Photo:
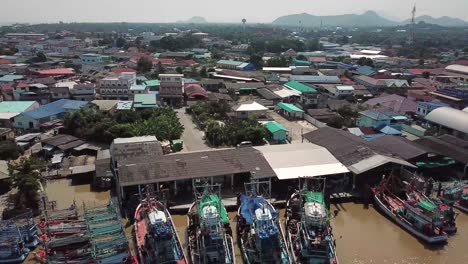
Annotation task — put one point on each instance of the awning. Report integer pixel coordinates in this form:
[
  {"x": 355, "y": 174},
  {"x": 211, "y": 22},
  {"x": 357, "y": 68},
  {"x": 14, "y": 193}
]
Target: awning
[
  {"x": 57, "y": 158},
  {"x": 376, "y": 161}
]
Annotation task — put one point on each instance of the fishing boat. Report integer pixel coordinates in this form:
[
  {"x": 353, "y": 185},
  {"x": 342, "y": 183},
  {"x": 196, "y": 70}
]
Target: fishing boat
[
  {"x": 409, "y": 214},
  {"x": 308, "y": 230},
  {"x": 12, "y": 245},
  {"x": 259, "y": 234},
  {"x": 428, "y": 206},
  {"x": 28, "y": 228},
  {"x": 456, "y": 195},
  {"x": 156, "y": 236},
  {"x": 209, "y": 235}
]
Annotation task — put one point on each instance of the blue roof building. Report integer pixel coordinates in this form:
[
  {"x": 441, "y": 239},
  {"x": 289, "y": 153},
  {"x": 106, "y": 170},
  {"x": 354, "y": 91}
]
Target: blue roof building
[
  {"x": 366, "y": 70},
  {"x": 55, "y": 110}
]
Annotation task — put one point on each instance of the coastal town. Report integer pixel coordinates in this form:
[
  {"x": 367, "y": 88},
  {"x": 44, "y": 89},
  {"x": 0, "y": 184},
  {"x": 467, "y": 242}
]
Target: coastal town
[{"x": 243, "y": 143}]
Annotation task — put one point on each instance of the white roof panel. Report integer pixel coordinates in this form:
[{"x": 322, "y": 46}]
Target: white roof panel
[
  {"x": 254, "y": 106},
  {"x": 449, "y": 117}
]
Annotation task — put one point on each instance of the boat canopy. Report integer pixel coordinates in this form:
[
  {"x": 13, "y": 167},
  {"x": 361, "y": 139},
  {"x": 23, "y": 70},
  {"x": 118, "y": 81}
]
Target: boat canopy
[
  {"x": 314, "y": 197},
  {"x": 427, "y": 205},
  {"x": 249, "y": 204},
  {"x": 213, "y": 200}
]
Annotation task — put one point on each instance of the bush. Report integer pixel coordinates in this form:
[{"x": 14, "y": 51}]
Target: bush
[{"x": 9, "y": 150}]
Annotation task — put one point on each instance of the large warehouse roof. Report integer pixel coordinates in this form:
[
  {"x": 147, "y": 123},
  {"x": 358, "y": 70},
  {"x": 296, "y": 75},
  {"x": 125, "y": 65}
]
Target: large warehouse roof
[
  {"x": 303, "y": 160},
  {"x": 449, "y": 117}
]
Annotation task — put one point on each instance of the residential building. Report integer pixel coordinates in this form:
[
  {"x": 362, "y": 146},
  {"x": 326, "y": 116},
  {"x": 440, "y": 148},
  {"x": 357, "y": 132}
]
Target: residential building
[
  {"x": 45, "y": 113},
  {"x": 235, "y": 65},
  {"x": 93, "y": 62},
  {"x": 312, "y": 79},
  {"x": 290, "y": 111},
  {"x": 171, "y": 89},
  {"x": 424, "y": 108},
  {"x": 9, "y": 110},
  {"x": 247, "y": 110},
  {"x": 379, "y": 119},
  {"x": 6, "y": 134},
  {"x": 55, "y": 72},
  {"x": 137, "y": 89},
  {"x": 117, "y": 87},
  {"x": 278, "y": 133},
  {"x": 59, "y": 92},
  {"x": 393, "y": 102},
  {"x": 144, "y": 101},
  {"x": 83, "y": 92}
]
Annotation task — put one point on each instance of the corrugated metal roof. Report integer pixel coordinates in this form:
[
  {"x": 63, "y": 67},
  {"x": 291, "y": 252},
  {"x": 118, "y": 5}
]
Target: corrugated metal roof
[
  {"x": 315, "y": 79},
  {"x": 230, "y": 62},
  {"x": 55, "y": 108},
  {"x": 274, "y": 127},
  {"x": 449, "y": 117},
  {"x": 300, "y": 87},
  {"x": 290, "y": 108}
]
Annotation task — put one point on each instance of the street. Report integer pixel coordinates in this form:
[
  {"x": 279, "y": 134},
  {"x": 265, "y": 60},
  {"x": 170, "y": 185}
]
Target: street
[{"x": 192, "y": 136}]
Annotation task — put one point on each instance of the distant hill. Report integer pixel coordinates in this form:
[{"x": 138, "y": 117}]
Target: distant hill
[
  {"x": 368, "y": 19},
  {"x": 195, "y": 20},
  {"x": 441, "y": 21}
]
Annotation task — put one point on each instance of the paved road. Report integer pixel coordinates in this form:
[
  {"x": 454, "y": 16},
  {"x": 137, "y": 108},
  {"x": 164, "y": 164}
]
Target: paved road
[
  {"x": 192, "y": 137},
  {"x": 296, "y": 128}
]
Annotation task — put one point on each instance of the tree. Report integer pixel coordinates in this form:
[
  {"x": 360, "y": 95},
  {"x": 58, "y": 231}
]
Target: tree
[
  {"x": 421, "y": 62},
  {"x": 25, "y": 176},
  {"x": 301, "y": 57},
  {"x": 203, "y": 72},
  {"x": 120, "y": 42},
  {"x": 9, "y": 150},
  {"x": 144, "y": 65},
  {"x": 313, "y": 45},
  {"x": 277, "y": 62},
  {"x": 179, "y": 69},
  {"x": 256, "y": 60},
  {"x": 40, "y": 57},
  {"x": 336, "y": 122}
]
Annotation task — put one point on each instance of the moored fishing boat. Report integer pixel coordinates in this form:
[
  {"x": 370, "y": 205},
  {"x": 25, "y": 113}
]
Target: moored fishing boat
[
  {"x": 209, "y": 235},
  {"x": 259, "y": 233},
  {"x": 156, "y": 235},
  {"x": 308, "y": 230},
  {"x": 429, "y": 206},
  {"x": 12, "y": 245},
  {"x": 456, "y": 195},
  {"x": 409, "y": 215}
]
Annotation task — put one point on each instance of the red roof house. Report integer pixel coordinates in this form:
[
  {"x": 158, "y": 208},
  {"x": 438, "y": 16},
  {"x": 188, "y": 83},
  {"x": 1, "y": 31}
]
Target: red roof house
[
  {"x": 4, "y": 62},
  {"x": 121, "y": 70},
  {"x": 55, "y": 72}
]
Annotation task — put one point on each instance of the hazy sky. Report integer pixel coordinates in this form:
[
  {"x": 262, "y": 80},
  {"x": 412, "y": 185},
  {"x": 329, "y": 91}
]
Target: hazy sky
[{"x": 213, "y": 10}]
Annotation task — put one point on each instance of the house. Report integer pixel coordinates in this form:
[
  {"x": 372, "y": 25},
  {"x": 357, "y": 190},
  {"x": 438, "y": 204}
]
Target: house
[
  {"x": 299, "y": 63},
  {"x": 137, "y": 89},
  {"x": 290, "y": 111},
  {"x": 424, "y": 108},
  {"x": 370, "y": 82},
  {"x": 300, "y": 87},
  {"x": 45, "y": 113},
  {"x": 55, "y": 72},
  {"x": 9, "y": 78},
  {"x": 366, "y": 71},
  {"x": 83, "y": 92},
  {"x": 379, "y": 119},
  {"x": 194, "y": 91},
  {"x": 10, "y": 109},
  {"x": 105, "y": 105},
  {"x": 247, "y": 110},
  {"x": 59, "y": 92},
  {"x": 278, "y": 133},
  {"x": 144, "y": 101},
  {"x": 323, "y": 114},
  {"x": 171, "y": 89},
  {"x": 235, "y": 65},
  {"x": 212, "y": 85},
  {"x": 6, "y": 134},
  {"x": 454, "y": 121},
  {"x": 393, "y": 102},
  {"x": 153, "y": 85},
  {"x": 117, "y": 86}
]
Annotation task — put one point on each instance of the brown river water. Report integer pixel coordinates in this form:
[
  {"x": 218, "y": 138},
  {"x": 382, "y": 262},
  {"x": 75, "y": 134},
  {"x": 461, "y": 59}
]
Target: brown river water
[{"x": 363, "y": 236}]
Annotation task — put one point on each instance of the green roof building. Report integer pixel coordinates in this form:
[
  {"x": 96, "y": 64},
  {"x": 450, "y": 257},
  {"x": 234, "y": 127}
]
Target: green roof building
[
  {"x": 290, "y": 111},
  {"x": 297, "y": 62},
  {"x": 277, "y": 131},
  {"x": 143, "y": 101},
  {"x": 300, "y": 87}
]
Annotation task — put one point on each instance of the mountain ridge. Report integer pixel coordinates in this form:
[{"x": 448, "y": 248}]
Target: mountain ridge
[{"x": 367, "y": 19}]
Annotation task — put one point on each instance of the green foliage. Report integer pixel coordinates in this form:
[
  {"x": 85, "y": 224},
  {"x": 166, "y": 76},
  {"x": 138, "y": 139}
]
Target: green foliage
[
  {"x": 233, "y": 133},
  {"x": 301, "y": 57},
  {"x": 203, "y": 72},
  {"x": 9, "y": 150},
  {"x": 95, "y": 126},
  {"x": 40, "y": 57},
  {"x": 336, "y": 122},
  {"x": 144, "y": 65},
  {"x": 278, "y": 62},
  {"x": 25, "y": 176},
  {"x": 175, "y": 44},
  {"x": 179, "y": 69},
  {"x": 210, "y": 110},
  {"x": 348, "y": 112},
  {"x": 363, "y": 61},
  {"x": 256, "y": 60},
  {"x": 120, "y": 42}
]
